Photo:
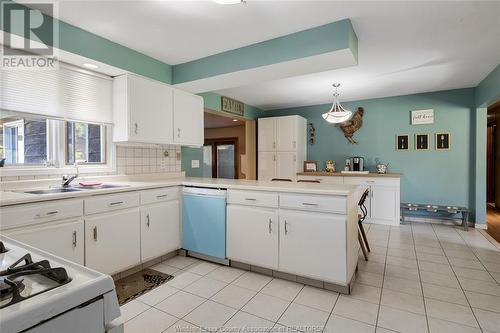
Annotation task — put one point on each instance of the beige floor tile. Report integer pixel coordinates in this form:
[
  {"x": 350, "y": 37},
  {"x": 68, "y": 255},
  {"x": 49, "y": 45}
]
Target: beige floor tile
[
  {"x": 180, "y": 304},
  {"x": 483, "y": 301},
  {"x": 267, "y": 307},
  {"x": 440, "y": 279},
  {"x": 437, "y": 259},
  {"x": 466, "y": 263},
  {"x": 151, "y": 321},
  {"x": 403, "y": 301},
  {"x": 182, "y": 326},
  {"x": 489, "y": 288},
  {"x": 241, "y": 321},
  {"x": 180, "y": 262},
  {"x": 403, "y": 262},
  {"x": 202, "y": 267},
  {"x": 286, "y": 290},
  {"x": 301, "y": 317},
  {"x": 401, "y": 321},
  {"x": 132, "y": 309},
  {"x": 161, "y": 267},
  {"x": 234, "y": 296},
  {"x": 371, "y": 279},
  {"x": 317, "y": 298},
  {"x": 473, "y": 274},
  {"x": 365, "y": 293},
  {"x": 412, "y": 287},
  {"x": 435, "y": 268},
  {"x": 443, "y": 326},
  {"x": 225, "y": 274},
  {"x": 337, "y": 324},
  {"x": 157, "y": 295},
  {"x": 402, "y": 272},
  {"x": 402, "y": 253},
  {"x": 253, "y": 281},
  {"x": 445, "y": 294},
  {"x": 371, "y": 267},
  {"x": 451, "y": 312},
  {"x": 183, "y": 280},
  {"x": 488, "y": 320},
  {"x": 355, "y": 309},
  {"x": 205, "y": 287},
  {"x": 210, "y": 315}
]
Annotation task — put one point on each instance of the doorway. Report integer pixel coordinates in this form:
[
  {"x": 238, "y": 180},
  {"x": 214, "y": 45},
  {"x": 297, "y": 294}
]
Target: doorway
[
  {"x": 493, "y": 172},
  {"x": 221, "y": 158}
]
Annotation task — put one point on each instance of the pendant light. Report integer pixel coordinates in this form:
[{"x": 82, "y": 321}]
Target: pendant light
[{"x": 337, "y": 113}]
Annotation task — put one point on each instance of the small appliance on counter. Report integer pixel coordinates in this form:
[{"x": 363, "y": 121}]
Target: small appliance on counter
[{"x": 357, "y": 163}]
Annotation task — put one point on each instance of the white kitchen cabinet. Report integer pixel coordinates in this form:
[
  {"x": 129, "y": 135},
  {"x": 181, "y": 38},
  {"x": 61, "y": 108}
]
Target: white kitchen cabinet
[
  {"x": 112, "y": 240},
  {"x": 62, "y": 238},
  {"x": 142, "y": 110},
  {"x": 313, "y": 244},
  {"x": 160, "y": 229},
  {"x": 286, "y": 138},
  {"x": 252, "y": 235},
  {"x": 267, "y": 134},
  {"x": 267, "y": 166},
  {"x": 384, "y": 203},
  {"x": 188, "y": 119}
]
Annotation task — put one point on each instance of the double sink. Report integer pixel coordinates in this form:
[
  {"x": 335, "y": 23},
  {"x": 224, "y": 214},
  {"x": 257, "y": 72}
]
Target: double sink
[{"x": 73, "y": 189}]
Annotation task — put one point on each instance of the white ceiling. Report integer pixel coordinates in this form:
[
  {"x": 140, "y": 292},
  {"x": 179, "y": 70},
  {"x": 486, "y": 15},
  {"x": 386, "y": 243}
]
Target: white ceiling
[{"x": 404, "y": 47}]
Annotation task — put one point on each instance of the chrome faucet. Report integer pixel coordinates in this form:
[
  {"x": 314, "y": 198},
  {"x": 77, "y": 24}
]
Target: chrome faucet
[{"x": 66, "y": 179}]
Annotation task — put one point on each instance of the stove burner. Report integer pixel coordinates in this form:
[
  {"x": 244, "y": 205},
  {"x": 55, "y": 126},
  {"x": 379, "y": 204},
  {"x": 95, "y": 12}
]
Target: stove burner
[
  {"x": 11, "y": 283},
  {"x": 2, "y": 248}
]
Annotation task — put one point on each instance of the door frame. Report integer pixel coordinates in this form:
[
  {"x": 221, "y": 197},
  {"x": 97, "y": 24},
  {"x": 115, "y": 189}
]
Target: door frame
[{"x": 222, "y": 141}]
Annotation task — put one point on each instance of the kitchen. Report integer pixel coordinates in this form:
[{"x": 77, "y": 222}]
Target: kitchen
[{"x": 126, "y": 203}]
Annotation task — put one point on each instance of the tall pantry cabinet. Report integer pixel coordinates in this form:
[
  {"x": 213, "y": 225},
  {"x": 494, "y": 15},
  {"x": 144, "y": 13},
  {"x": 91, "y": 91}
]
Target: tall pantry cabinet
[{"x": 282, "y": 147}]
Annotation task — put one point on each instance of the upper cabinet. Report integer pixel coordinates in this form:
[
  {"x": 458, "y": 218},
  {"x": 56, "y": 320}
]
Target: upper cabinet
[
  {"x": 188, "y": 118},
  {"x": 148, "y": 111}
]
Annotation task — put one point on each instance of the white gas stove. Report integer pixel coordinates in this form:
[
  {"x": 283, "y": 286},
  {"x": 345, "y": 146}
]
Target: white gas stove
[{"x": 40, "y": 292}]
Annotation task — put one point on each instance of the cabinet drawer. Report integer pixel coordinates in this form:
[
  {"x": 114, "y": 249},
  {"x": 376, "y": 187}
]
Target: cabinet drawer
[
  {"x": 107, "y": 203},
  {"x": 323, "y": 203},
  {"x": 324, "y": 179},
  {"x": 253, "y": 198},
  {"x": 383, "y": 181},
  {"x": 159, "y": 195},
  {"x": 20, "y": 215}
]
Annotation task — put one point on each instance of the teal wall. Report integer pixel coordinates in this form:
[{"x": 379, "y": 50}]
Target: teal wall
[
  {"x": 488, "y": 91},
  {"x": 84, "y": 43},
  {"x": 442, "y": 177}
]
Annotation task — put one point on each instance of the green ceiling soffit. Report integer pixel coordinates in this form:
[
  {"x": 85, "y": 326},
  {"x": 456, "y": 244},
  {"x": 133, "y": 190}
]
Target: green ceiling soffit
[
  {"x": 333, "y": 37},
  {"x": 78, "y": 41}
]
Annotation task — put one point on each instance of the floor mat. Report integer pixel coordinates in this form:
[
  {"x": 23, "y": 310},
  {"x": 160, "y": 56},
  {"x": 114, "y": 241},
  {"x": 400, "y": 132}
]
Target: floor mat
[{"x": 139, "y": 283}]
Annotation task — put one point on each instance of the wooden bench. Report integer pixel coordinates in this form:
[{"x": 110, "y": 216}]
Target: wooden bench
[{"x": 435, "y": 211}]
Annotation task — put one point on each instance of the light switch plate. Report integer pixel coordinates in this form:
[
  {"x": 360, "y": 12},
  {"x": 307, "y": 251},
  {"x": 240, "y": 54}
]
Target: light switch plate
[{"x": 195, "y": 163}]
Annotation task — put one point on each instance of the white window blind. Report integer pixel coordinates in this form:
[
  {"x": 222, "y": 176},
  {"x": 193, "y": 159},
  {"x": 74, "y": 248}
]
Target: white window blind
[{"x": 67, "y": 93}]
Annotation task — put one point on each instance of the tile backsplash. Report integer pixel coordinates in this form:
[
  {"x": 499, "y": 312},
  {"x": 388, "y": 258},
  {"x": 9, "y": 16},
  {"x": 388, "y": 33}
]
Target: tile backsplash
[{"x": 137, "y": 160}]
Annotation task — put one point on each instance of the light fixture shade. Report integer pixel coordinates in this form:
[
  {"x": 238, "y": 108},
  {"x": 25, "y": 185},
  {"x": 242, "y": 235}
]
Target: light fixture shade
[{"x": 337, "y": 113}]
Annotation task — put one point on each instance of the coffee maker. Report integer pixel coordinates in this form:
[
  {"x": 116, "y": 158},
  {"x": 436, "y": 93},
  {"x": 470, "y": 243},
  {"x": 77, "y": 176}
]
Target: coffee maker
[{"x": 357, "y": 163}]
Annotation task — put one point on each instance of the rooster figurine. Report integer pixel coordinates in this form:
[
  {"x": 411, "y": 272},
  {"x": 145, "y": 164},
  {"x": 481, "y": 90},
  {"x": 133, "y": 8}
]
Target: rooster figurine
[{"x": 352, "y": 125}]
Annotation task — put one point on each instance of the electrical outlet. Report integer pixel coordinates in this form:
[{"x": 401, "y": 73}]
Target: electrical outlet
[{"x": 195, "y": 164}]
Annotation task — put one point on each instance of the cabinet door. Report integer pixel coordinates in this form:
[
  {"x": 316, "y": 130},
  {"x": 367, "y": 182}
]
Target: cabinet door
[
  {"x": 188, "y": 118},
  {"x": 267, "y": 134},
  {"x": 112, "y": 241},
  {"x": 63, "y": 239},
  {"x": 286, "y": 166},
  {"x": 384, "y": 203},
  {"x": 267, "y": 166},
  {"x": 252, "y": 235},
  {"x": 313, "y": 245},
  {"x": 287, "y": 133},
  {"x": 160, "y": 229},
  {"x": 150, "y": 107}
]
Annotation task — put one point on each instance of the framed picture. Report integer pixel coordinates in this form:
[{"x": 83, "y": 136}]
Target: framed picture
[
  {"x": 421, "y": 141},
  {"x": 310, "y": 166},
  {"x": 402, "y": 142},
  {"x": 422, "y": 117},
  {"x": 443, "y": 141}
]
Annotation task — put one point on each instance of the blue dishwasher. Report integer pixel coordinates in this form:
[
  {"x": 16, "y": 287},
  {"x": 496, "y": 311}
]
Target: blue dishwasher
[{"x": 204, "y": 221}]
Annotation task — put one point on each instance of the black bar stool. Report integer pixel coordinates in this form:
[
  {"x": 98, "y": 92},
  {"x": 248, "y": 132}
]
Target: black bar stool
[{"x": 363, "y": 241}]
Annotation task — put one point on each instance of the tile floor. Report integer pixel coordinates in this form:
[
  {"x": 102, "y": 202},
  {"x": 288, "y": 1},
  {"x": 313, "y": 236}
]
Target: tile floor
[{"x": 420, "y": 278}]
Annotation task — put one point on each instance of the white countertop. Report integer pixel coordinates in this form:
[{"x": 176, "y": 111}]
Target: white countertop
[{"x": 14, "y": 197}]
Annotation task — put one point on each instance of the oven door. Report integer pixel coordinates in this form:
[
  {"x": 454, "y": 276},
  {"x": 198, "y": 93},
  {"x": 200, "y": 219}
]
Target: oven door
[{"x": 84, "y": 319}]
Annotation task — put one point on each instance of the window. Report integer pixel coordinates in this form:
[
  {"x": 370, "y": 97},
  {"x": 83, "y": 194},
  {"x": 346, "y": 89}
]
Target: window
[
  {"x": 23, "y": 140},
  {"x": 85, "y": 143}
]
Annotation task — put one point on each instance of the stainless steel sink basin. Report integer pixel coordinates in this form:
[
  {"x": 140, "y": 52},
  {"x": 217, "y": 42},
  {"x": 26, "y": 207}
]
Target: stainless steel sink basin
[
  {"x": 53, "y": 190},
  {"x": 98, "y": 187}
]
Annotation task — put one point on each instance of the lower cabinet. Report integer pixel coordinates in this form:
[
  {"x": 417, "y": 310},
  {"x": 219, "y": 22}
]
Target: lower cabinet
[
  {"x": 252, "y": 235},
  {"x": 160, "y": 229},
  {"x": 62, "y": 238},
  {"x": 385, "y": 204},
  {"x": 112, "y": 240},
  {"x": 313, "y": 244}
]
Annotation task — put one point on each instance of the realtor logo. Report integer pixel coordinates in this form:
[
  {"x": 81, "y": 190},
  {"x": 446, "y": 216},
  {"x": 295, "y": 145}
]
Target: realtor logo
[{"x": 30, "y": 35}]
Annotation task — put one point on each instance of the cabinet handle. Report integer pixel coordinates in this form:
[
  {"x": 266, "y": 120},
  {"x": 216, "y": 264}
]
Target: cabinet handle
[
  {"x": 274, "y": 144},
  {"x": 309, "y": 204},
  {"x": 250, "y": 199},
  {"x": 178, "y": 132},
  {"x": 136, "y": 128},
  {"x": 370, "y": 181},
  {"x": 117, "y": 203},
  {"x": 270, "y": 226},
  {"x": 95, "y": 234},
  {"x": 74, "y": 238},
  {"x": 274, "y": 158},
  {"x": 295, "y": 144},
  {"x": 147, "y": 220},
  {"x": 54, "y": 212},
  {"x": 286, "y": 227},
  {"x": 161, "y": 196}
]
